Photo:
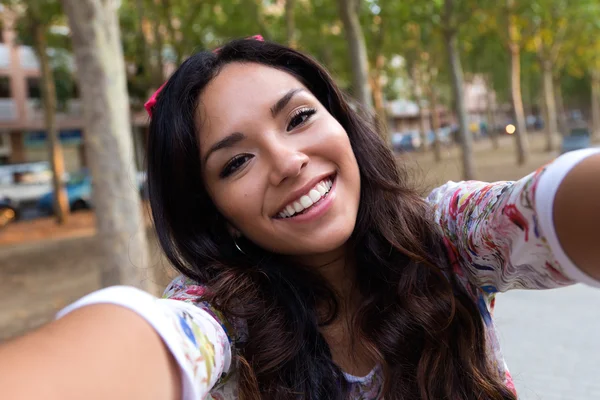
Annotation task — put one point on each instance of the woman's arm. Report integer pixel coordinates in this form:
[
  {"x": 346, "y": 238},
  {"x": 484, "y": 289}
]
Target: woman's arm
[
  {"x": 119, "y": 343},
  {"x": 101, "y": 351},
  {"x": 576, "y": 214},
  {"x": 539, "y": 232}
]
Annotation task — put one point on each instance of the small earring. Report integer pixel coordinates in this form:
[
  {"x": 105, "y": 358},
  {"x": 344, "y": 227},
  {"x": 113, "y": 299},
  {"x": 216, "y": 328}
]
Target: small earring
[{"x": 238, "y": 247}]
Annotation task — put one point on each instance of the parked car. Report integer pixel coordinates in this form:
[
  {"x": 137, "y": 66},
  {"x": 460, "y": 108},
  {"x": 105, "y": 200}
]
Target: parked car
[
  {"x": 407, "y": 141},
  {"x": 23, "y": 184},
  {"x": 79, "y": 194},
  {"x": 444, "y": 134},
  {"x": 579, "y": 138},
  {"x": 8, "y": 213}
]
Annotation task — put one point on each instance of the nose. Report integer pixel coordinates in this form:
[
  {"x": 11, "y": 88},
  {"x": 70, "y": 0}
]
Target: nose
[{"x": 287, "y": 163}]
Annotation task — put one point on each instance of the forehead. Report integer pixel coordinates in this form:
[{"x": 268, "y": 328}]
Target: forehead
[
  {"x": 237, "y": 76},
  {"x": 241, "y": 91}
]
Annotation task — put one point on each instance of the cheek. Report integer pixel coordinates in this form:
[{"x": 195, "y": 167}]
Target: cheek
[
  {"x": 234, "y": 202},
  {"x": 239, "y": 204}
]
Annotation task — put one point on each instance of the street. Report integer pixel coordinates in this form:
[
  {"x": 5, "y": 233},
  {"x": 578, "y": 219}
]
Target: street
[{"x": 550, "y": 342}]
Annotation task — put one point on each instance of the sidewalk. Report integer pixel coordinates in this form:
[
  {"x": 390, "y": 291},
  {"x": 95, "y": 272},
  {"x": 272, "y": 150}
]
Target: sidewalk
[{"x": 79, "y": 224}]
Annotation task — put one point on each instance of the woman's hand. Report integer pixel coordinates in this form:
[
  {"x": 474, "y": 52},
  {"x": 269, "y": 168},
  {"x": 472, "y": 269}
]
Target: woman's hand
[
  {"x": 576, "y": 214},
  {"x": 96, "y": 352}
]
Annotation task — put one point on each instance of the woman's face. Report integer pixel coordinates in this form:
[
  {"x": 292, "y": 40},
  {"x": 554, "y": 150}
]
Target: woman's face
[{"x": 276, "y": 164}]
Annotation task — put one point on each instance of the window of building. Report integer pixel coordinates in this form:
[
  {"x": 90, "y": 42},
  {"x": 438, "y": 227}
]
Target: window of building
[
  {"x": 34, "y": 91},
  {"x": 5, "y": 92}
]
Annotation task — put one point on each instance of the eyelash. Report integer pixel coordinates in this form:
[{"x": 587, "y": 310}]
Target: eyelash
[
  {"x": 303, "y": 112},
  {"x": 232, "y": 165}
]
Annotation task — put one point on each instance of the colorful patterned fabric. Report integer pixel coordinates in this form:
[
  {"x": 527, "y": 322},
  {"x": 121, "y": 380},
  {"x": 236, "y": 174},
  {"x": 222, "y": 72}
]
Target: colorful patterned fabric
[
  {"x": 498, "y": 236},
  {"x": 495, "y": 242}
]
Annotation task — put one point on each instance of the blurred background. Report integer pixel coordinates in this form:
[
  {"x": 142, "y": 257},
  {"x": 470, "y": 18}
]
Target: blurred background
[{"x": 463, "y": 89}]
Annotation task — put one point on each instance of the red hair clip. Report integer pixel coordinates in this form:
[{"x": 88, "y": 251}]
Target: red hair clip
[{"x": 149, "y": 105}]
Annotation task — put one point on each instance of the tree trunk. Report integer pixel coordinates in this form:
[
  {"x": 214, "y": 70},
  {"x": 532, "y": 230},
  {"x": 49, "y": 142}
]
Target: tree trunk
[
  {"x": 143, "y": 44},
  {"x": 417, "y": 87},
  {"x": 259, "y": 16},
  {"x": 491, "y": 113},
  {"x": 121, "y": 234},
  {"x": 358, "y": 52},
  {"x": 459, "y": 102},
  {"x": 158, "y": 77},
  {"x": 378, "y": 98},
  {"x": 167, "y": 9},
  {"x": 435, "y": 122},
  {"x": 550, "y": 105},
  {"x": 61, "y": 201},
  {"x": 596, "y": 104},
  {"x": 515, "y": 85},
  {"x": 563, "y": 125},
  {"x": 517, "y": 102},
  {"x": 290, "y": 22}
]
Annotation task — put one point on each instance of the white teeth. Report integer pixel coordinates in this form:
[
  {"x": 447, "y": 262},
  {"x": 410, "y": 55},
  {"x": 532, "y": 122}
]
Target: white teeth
[
  {"x": 304, "y": 202},
  {"x": 297, "y": 206},
  {"x": 314, "y": 195}
]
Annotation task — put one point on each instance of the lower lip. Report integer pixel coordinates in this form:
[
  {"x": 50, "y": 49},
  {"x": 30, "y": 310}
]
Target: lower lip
[{"x": 317, "y": 210}]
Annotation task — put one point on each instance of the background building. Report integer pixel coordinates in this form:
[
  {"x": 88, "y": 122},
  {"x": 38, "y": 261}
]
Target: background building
[{"x": 22, "y": 130}]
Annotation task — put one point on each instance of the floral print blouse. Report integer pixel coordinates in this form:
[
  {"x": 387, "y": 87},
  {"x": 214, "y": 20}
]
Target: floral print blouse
[{"x": 499, "y": 236}]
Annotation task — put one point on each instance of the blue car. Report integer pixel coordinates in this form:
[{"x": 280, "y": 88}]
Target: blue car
[
  {"x": 408, "y": 141},
  {"x": 79, "y": 195}
]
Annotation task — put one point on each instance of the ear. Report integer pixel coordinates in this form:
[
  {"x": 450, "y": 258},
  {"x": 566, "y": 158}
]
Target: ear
[{"x": 233, "y": 232}]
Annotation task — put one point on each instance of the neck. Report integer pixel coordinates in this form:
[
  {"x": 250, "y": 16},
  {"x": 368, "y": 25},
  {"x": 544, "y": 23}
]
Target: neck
[{"x": 338, "y": 270}]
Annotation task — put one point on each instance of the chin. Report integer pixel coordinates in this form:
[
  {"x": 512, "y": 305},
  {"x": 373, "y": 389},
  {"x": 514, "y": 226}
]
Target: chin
[{"x": 321, "y": 244}]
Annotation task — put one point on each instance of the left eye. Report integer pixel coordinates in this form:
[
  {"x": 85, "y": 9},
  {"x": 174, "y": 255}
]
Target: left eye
[{"x": 300, "y": 117}]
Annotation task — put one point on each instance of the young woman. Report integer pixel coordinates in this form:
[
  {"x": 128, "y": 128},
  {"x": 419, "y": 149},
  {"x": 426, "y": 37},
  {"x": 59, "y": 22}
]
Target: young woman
[{"x": 311, "y": 270}]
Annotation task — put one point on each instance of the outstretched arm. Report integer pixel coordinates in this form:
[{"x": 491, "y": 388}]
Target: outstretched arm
[
  {"x": 119, "y": 343},
  {"x": 101, "y": 351},
  {"x": 540, "y": 232}
]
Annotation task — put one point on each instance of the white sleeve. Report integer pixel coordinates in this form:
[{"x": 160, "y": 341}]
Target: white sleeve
[
  {"x": 196, "y": 340},
  {"x": 544, "y": 200}
]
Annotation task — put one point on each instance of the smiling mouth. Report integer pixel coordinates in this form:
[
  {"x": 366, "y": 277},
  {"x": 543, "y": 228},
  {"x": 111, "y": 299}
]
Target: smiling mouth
[{"x": 305, "y": 202}]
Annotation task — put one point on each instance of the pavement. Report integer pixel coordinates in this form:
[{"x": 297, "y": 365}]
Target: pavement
[{"x": 550, "y": 341}]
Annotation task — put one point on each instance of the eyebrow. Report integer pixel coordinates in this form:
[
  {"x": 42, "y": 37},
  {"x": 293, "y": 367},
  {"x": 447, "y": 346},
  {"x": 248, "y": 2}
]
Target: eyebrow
[
  {"x": 237, "y": 137},
  {"x": 282, "y": 102},
  {"x": 227, "y": 141}
]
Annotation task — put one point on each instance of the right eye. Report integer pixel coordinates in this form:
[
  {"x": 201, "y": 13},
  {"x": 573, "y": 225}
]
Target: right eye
[{"x": 234, "y": 164}]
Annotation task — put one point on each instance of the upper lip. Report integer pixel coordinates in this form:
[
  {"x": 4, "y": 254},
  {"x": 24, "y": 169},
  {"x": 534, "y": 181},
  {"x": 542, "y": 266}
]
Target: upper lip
[{"x": 302, "y": 190}]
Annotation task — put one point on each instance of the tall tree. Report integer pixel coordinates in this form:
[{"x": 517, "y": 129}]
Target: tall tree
[
  {"x": 101, "y": 71},
  {"x": 563, "y": 127},
  {"x": 486, "y": 57},
  {"x": 515, "y": 42},
  {"x": 349, "y": 14},
  {"x": 589, "y": 57},
  {"x": 424, "y": 52},
  {"x": 290, "y": 22},
  {"x": 34, "y": 29},
  {"x": 552, "y": 25},
  {"x": 435, "y": 122},
  {"x": 450, "y": 26}
]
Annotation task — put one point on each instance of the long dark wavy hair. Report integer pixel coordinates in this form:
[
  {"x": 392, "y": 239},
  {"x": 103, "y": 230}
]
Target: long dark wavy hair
[{"x": 416, "y": 320}]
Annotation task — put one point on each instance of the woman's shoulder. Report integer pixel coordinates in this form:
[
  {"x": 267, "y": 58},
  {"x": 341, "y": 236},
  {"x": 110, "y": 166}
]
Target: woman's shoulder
[{"x": 183, "y": 288}]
